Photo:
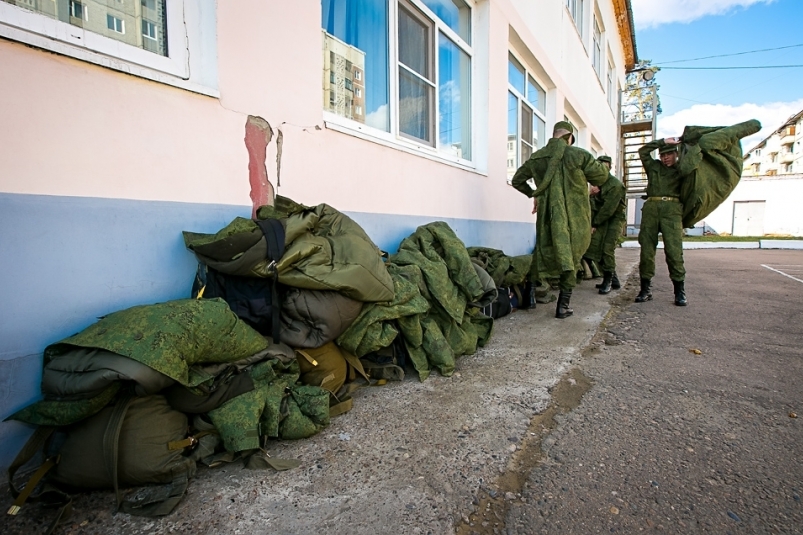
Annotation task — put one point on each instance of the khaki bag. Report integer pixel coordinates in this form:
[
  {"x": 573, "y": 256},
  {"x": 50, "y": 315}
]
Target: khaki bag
[{"x": 331, "y": 367}]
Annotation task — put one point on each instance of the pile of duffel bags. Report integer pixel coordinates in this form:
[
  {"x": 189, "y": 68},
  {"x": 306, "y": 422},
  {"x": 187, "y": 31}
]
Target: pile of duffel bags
[{"x": 289, "y": 314}]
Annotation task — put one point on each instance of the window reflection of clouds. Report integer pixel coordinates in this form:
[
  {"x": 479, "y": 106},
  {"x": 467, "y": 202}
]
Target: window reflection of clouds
[
  {"x": 454, "y": 100},
  {"x": 364, "y": 24},
  {"x": 455, "y": 13}
]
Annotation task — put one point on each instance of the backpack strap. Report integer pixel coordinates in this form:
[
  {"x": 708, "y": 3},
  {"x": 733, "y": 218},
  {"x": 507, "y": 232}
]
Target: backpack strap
[
  {"x": 274, "y": 237},
  {"x": 50, "y": 496},
  {"x": 111, "y": 439}
]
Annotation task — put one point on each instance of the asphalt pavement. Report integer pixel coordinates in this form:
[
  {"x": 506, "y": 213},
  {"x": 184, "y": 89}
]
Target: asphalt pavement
[
  {"x": 623, "y": 418},
  {"x": 694, "y": 422}
]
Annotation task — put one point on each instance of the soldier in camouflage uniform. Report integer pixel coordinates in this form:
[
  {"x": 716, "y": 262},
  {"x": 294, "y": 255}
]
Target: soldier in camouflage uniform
[
  {"x": 662, "y": 213},
  {"x": 608, "y": 215},
  {"x": 561, "y": 174}
]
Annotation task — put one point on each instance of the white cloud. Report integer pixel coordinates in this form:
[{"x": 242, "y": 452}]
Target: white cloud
[
  {"x": 378, "y": 118},
  {"x": 651, "y": 13},
  {"x": 771, "y": 116}
]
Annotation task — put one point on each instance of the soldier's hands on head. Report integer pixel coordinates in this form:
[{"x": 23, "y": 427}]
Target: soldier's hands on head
[{"x": 672, "y": 140}]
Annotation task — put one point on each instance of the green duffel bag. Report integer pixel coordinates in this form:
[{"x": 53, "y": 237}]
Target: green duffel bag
[
  {"x": 134, "y": 442},
  {"x": 137, "y": 434}
]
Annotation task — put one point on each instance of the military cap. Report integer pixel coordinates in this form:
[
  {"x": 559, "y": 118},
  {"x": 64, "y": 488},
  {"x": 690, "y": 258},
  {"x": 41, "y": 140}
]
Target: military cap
[
  {"x": 667, "y": 148},
  {"x": 563, "y": 125},
  {"x": 605, "y": 159},
  {"x": 562, "y": 128}
]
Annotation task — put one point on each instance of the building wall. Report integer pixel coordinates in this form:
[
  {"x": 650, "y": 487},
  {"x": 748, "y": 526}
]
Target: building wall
[
  {"x": 100, "y": 170},
  {"x": 779, "y": 154},
  {"x": 781, "y": 195}
]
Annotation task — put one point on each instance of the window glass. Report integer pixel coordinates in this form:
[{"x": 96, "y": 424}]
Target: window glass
[
  {"x": 526, "y": 135},
  {"x": 515, "y": 74},
  {"x": 455, "y": 13},
  {"x": 428, "y": 73},
  {"x": 535, "y": 95},
  {"x": 414, "y": 106},
  {"x": 413, "y": 43},
  {"x": 454, "y": 99},
  {"x": 526, "y": 115},
  {"x": 539, "y": 135},
  {"x": 597, "y": 59},
  {"x": 110, "y": 19},
  {"x": 512, "y": 130},
  {"x": 357, "y": 31}
]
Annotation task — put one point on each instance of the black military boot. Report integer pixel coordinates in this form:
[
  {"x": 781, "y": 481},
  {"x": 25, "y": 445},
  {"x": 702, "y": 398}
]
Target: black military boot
[
  {"x": 605, "y": 285},
  {"x": 615, "y": 285},
  {"x": 645, "y": 294},
  {"x": 680, "y": 293},
  {"x": 563, "y": 310}
]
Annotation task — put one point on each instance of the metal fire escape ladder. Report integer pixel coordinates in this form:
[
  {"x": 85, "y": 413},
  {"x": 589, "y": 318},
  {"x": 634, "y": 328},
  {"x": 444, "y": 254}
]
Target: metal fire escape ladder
[{"x": 638, "y": 121}]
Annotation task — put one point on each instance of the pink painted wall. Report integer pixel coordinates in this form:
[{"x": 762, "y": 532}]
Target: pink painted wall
[{"x": 77, "y": 129}]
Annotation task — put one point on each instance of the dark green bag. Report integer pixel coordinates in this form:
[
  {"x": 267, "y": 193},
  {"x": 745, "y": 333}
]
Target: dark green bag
[{"x": 136, "y": 441}]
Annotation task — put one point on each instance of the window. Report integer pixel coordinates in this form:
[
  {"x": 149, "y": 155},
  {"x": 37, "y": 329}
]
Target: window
[
  {"x": 611, "y": 88},
  {"x": 787, "y": 168},
  {"x": 149, "y": 30},
  {"x": 575, "y": 8},
  {"x": 597, "y": 49},
  {"x": 526, "y": 115},
  {"x": 103, "y": 37},
  {"x": 115, "y": 24},
  {"x": 419, "y": 93}
]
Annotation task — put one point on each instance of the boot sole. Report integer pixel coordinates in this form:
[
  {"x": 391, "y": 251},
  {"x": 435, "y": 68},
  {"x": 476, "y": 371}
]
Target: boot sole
[{"x": 643, "y": 300}]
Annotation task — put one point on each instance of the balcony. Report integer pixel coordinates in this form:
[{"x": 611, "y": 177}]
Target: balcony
[
  {"x": 787, "y": 157},
  {"x": 788, "y": 135}
]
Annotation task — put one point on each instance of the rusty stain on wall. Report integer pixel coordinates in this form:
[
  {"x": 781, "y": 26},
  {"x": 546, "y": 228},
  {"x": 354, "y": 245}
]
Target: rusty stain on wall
[{"x": 258, "y": 134}]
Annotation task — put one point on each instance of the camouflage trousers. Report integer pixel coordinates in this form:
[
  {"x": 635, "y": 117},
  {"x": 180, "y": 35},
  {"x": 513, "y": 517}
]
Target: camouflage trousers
[
  {"x": 662, "y": 217},
  {"x": 604, "y": 242}
]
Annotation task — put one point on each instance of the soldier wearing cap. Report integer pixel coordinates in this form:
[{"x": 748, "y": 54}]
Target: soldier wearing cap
[
  {"x": 608, "y": 215},
  {"x": 561, "y": 174},
  {"x": 662, "y": 213}
]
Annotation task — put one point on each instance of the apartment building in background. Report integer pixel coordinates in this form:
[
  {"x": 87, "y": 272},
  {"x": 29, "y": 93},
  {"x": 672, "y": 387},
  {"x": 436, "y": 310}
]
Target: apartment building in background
[{"x": 766, "y": 200}]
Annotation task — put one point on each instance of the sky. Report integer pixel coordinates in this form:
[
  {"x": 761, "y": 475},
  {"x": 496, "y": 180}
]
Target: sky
[{"x": 672, "y": 30}]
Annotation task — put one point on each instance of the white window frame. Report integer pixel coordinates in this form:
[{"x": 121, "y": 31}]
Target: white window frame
[
  {"x": 41, "y": 31},
  {"x": 395, "y": 137},
  {"x": 84, "y": 10},
  {"x": 611, "y": 85},
  {"x": 522, "y": 100},
  {"x": 577, "y": 10},
  {"x": 116, "y": 20},
  {"x": 596, "y": 46},
  {"x": 155, "y": 35}
]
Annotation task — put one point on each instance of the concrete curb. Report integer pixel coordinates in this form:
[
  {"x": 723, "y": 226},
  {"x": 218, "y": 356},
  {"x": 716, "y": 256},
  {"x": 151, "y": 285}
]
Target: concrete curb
[{"x": 761, "y": 244}]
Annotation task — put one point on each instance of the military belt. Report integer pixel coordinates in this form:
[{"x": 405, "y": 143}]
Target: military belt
[{"x": 670, "y": 199}]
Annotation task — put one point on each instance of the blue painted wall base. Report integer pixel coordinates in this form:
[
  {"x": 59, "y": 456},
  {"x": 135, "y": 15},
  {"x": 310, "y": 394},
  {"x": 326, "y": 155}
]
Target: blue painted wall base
[{"x": 65, "y": 261}]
